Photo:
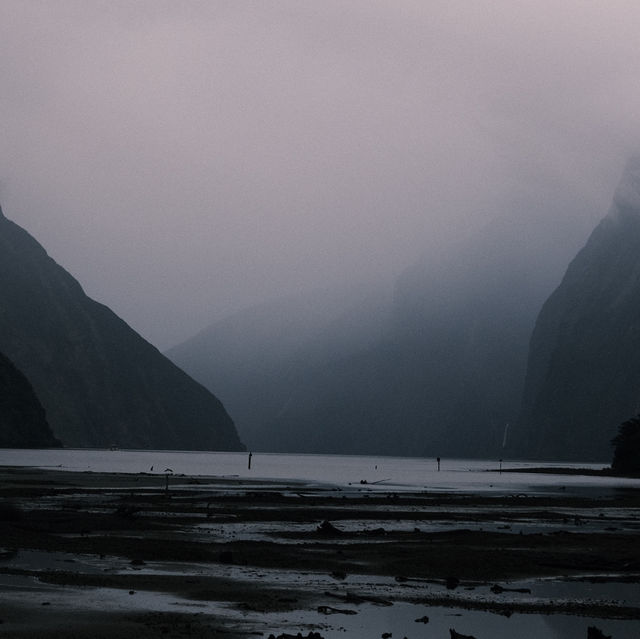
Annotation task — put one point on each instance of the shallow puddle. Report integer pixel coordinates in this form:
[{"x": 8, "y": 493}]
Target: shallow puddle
[{"x": 401, "y": 621}]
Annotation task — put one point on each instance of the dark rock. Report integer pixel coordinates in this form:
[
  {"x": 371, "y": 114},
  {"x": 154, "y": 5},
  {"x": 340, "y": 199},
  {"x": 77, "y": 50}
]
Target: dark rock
[
  {"x": 329, "y": 610},
  {"x": 327, "y": 528},
  {"x": 23, "y": 422},
  {"x": 424, "y": 619},
  {"x": 583, "y": 371},
  {"x": 497, "y": 589},
  {"x": 452, "y": 583},
  {"x": 126, "y": 511},
  {"x": 100, "y": 383},
  {"x": 456, "y": 635},
  {"x": 351, "y": 597},
  {"x": 596, "y": 633}
]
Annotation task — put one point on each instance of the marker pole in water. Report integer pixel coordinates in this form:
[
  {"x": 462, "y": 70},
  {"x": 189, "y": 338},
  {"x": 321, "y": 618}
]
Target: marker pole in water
[
  {"x": 438, "y": 460},
  {"x": 249, "y": 464}
]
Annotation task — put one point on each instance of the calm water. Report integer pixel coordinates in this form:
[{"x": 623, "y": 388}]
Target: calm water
[{"x": 397, "y": 473}]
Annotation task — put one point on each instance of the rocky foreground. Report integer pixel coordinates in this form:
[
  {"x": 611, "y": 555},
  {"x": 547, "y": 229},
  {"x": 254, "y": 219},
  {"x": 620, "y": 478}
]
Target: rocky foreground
[{"x": 149, "y": 555}]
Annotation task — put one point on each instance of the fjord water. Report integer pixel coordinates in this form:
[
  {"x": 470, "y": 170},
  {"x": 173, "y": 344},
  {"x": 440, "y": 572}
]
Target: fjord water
[{"x": 396, "y": 473}]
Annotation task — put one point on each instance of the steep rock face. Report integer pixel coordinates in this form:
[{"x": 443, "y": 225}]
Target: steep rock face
[
  {"x": 100, "y": 382},
  {"x": 23, "y": 422},
  {"x": 583, "y": 375}
]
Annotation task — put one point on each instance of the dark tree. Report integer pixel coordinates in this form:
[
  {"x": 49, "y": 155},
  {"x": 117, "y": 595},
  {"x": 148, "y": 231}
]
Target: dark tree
[{"x": 626, "y": 455}]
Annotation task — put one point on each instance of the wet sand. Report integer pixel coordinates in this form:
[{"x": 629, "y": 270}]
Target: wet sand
[{"x": 123, "y": 555}]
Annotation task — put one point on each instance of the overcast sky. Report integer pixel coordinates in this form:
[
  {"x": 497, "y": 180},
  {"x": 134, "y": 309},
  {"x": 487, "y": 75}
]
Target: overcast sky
[{"x": 185, "y": 159}]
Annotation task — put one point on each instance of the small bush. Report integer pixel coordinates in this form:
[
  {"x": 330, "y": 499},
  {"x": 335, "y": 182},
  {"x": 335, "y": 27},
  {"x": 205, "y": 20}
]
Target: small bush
[{"x": 626, "y": 455}]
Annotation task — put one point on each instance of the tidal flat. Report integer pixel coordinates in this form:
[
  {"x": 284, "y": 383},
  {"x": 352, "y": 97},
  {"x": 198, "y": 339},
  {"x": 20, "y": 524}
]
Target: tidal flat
[{"x": 92, "y": 554}]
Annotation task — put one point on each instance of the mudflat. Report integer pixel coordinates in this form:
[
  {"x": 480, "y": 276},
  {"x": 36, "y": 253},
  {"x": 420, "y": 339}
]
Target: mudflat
[{"x": 147, "y": 555}]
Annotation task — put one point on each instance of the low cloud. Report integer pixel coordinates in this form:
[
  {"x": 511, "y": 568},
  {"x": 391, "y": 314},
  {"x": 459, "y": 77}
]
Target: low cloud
[{"x": 186, "y": 159}]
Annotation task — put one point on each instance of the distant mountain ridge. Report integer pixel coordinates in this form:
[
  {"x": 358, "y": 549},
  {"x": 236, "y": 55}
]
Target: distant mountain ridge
[
  {"x": 23, "y": 423},
  {"x": 583, "y": 374},
  {"x": 437, "y": 368},
  {"x": 257, "y": 358},
  {"x": 99, "y": 381},
  {"x": 446, "y": 375}
]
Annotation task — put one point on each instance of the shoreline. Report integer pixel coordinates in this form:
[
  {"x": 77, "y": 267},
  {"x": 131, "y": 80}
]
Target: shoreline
[
  {"x": 565, "y": 470},
  {"x": 235, "y": 551}
]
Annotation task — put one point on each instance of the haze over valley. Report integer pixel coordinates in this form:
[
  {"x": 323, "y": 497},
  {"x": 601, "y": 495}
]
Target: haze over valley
[{"x": 361, "y": 228}]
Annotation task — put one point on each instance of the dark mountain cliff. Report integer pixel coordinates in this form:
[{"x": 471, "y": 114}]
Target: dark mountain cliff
[
  {"x": 583, "y": 375},
  {"x": 100, "y": 382},
  {"x": 23, "y": 422}
]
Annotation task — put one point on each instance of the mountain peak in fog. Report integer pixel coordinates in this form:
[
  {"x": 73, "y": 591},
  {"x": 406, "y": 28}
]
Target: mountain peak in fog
[
  {"x": 626, "y": 199},
  {"x": 583, "y": 372}
]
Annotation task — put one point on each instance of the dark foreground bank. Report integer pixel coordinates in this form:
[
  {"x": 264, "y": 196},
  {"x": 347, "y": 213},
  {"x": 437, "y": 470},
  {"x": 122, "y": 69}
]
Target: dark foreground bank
[{"x": 115, "y": 555}]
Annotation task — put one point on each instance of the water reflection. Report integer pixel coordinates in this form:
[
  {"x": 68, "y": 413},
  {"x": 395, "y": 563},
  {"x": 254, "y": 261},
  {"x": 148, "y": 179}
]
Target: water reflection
[
  {"x": 560, "y": 627},
  {"x": 405, "y": 620}
]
